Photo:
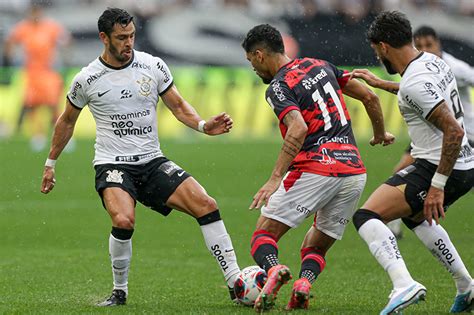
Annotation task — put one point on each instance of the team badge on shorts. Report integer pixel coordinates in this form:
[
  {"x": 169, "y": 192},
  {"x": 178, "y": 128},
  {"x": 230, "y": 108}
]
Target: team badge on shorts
[{"x": 114, "y": 176}]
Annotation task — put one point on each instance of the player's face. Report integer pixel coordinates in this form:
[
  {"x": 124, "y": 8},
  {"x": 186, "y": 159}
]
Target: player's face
[
  {"x": 256, "y": 58},
  {"x": 381, "y": 53},
  {"x": 121, "y": 41},
  {"x": 428, "y": 44}
]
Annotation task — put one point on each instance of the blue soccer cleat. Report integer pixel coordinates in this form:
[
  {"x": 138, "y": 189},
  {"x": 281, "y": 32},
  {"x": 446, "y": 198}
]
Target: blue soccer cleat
[
  {"x": 402, "y": 298},
  {"x": 463, "y": 302}
]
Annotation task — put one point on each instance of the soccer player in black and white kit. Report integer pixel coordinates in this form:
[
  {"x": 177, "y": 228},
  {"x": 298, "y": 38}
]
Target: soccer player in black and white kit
[
  {"x": 443, "y": 170},
  {"x": 122, "y": 88}
]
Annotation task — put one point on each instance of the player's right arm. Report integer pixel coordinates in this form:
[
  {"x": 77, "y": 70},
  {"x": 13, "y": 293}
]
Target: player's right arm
[
  {"x": 374, "y": 81},
  {"x": 63, "y": 131},
  {"x": 359, "y": 91}
]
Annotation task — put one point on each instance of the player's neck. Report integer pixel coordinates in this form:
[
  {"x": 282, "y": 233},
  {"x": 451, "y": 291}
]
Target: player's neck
[
  {"x": 112, "y": 61},
  {"x": 404, "y": 57},
  {"x": 279, "y": 62}
]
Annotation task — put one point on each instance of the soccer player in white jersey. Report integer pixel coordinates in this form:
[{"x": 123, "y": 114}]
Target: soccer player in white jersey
[
  {"x": 442, "y": 172},
  {"x": 122, "y": 88},
  {"x": 426, "y": 39}
]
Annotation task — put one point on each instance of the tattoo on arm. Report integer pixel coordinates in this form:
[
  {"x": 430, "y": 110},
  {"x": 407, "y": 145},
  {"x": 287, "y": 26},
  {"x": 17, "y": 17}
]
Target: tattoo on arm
[
  {"x": 444, "y": 120},
  {"x": 291, "y": 145}
]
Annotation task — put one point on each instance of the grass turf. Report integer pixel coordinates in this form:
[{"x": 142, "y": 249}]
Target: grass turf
[{"x": 54, "y": 248}]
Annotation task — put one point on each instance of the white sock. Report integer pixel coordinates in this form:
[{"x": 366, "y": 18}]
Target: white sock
[
  {"x": 220, "y": 245},
  {"x": 436, "y": 239},
  {"x": 383, "y": 246},
  {"x": 120, "y": 255}
]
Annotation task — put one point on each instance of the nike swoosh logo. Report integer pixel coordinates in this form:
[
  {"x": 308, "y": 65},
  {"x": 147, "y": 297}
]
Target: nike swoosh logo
[
  {"x": 103, "y": 93},
  {"x": 180, "y": 173}
]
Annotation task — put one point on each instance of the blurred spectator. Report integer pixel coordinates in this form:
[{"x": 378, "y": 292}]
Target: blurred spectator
[{"x": 39, "y": 38}]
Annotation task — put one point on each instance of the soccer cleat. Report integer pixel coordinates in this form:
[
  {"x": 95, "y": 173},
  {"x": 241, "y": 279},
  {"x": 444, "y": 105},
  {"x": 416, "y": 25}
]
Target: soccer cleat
[
  {"x": 118, "y": 297},
  {"x": 233, "y": 297},
  {"x": 277, "y": 276},
  {"x": 299, "y": 295},
  {"x": 463, "y": 302},
  {"x": 402, "y": 298}
]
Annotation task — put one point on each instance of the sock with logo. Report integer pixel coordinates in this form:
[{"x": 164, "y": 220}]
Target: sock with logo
[
  {"x": 383, "y": 246},
  {"x": 437, "y": 240},
  {"x": 312, "y": 263},
  {"x": 120, "y": 250},
  {"x": 220, "y": 245},
  {"x": 264, "y": 249}
]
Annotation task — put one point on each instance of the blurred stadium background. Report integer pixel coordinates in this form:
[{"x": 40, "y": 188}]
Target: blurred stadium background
[{"x": 53, "y": 249}]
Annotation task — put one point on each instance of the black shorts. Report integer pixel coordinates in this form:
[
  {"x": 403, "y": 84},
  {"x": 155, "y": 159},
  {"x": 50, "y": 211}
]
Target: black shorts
[
  {"x": 151, "y": 184},
  {"x": 417, "y": 178}
]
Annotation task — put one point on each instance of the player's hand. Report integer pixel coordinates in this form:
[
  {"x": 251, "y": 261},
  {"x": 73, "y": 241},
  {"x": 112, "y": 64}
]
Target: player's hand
[
  {"x": 433, "y": 206},
  {"x": 219, "y": 124},
  {"x": 387, "y": 139},
  {"x": 48, "y": 180},
  {"x": 364, "y": 74},
  {"x": 263, "y": 195}
]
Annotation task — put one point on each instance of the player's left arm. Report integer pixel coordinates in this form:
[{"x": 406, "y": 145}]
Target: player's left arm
[
  {"x": 185, "y": 113},
  {"x": 359, "y": 91},
  {"x": 443, "y": 119},
  {"x": 294, "y": 139}
]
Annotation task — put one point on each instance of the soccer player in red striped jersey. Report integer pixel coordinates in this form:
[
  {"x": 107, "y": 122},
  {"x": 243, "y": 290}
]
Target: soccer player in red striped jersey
[{"x": 318, "y": 170}]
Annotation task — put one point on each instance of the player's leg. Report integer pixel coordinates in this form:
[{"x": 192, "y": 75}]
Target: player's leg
[
  {"x": 329, "y": 225},
  {"x": 191, "y": 198},
  {"x": 264, "y": 250},
  {"x": 385, "y": 204},
  {"x": 115, "y": 185}
]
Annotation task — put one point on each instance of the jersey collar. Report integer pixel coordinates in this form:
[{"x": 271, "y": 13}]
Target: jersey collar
[
  {"x": 417, "y": 57},
  {"x": 121, "y": 67}
]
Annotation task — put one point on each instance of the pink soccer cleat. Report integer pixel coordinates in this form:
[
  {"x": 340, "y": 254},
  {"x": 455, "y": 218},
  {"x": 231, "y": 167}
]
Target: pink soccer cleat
[
  {"x": 277, "y": 276},
  {"x": 299, "y": 295}
]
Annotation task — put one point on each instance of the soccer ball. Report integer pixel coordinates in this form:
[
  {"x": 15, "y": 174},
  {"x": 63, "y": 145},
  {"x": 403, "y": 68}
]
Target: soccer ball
[{"x": 249, "y": 283}]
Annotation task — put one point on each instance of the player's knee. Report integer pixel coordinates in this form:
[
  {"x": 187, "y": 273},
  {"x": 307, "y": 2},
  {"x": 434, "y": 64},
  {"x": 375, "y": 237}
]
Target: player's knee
[
  {"x": 122, "y": 234},
  {"x": 208, "y": 204},
  {"x": 123, "y": 221},
  {"x": 363, "y": 215}
]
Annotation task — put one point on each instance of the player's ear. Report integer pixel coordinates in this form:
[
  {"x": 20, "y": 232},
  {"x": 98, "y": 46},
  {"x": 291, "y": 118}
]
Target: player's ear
[{"x": 103, "y": 37}]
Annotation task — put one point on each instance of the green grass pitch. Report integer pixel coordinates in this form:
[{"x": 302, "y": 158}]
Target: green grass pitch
[{"x": 54, "y": 249}]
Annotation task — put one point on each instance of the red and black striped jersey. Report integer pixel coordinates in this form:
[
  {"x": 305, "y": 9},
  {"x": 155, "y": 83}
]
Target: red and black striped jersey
[{"x": 313, "y": 87}]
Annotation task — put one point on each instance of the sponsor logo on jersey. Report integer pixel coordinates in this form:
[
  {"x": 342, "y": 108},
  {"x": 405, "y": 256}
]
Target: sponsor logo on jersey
[
  {"x": 429, "y": 88},
  {"x": 140, "y": 65},
  {"x": 95, "y": 76},
  {"x": 169, "y": 168},
  {"x": 308, "y": 83},
  {"x": 100, "y": 94},
  {"x": 76, "y": 87},
  {"x": 114, "y": 176},
  {"x": 325, "y": 139},
  {"x": 126, "y": 94},
  {"x": 448, "y": 78},
  {"x": 164, "y": 71},
  {"x": 122, "y": 126},
  {"x": 278, "y": 91},
  {"x": 145, "y": 86},
  {"x": 414, "y": 104},
  {"x": 431, "y": 66}
]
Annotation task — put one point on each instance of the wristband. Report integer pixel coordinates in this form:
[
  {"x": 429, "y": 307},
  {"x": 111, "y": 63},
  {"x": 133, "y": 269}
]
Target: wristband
[
  {"x": 50, "y": 163},
  {"x": 201, "y": 126},
  {"x": 439, "y": 180}
]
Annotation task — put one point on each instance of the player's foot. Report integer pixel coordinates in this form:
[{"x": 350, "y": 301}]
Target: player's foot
[
  {"x": 233, "y": 297},
  {"x": 277, "y": 276},
  {"x": 118, "y": 297},
  {"x": 402, "y": 298},
  {"x": 464, "y": 302},
  {"x": 299, "y": 295}
]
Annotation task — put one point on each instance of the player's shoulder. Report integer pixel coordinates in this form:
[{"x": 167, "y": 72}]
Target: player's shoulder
[
  {"x": 422, "y": 68},
  {"x": 90, "y": 72},
  {"x": 149, "y": 59}
]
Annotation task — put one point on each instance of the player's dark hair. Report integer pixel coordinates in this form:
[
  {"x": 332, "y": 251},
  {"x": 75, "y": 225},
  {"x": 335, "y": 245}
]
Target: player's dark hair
[
  {"x": 425, "y": 31},
  {"x": 391, "y": 27},
  {"x": 266, "y": 36},
  {"x": 110, "y": 17}
]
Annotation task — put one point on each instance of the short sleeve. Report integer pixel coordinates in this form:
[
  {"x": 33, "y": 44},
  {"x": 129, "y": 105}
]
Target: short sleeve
[
  {"x": 163, "y": 76},
  {"x": 76, "y": 94},
  {"x": 341, "y": 79},
  {"x": 421, "y": 95},
  {"x": 281, "y": 99}
]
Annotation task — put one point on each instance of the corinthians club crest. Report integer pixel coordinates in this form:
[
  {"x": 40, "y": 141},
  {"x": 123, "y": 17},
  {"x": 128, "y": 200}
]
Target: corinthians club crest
[
  {"x": 145, "y": 86},
  {"x": 114, "y": 176}
]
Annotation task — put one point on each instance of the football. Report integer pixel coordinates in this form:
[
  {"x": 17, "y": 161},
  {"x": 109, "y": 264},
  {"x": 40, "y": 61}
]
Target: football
[{"x": 249, "y": 283}]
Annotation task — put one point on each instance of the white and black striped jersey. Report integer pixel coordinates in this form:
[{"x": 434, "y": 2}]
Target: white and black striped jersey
[
  {"x": 426, "y": 83},
  {"x": 123, "y": 103}
]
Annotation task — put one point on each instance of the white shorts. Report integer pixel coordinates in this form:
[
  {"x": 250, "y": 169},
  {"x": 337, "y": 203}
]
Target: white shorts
[{"x": 332, "y": 199}]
